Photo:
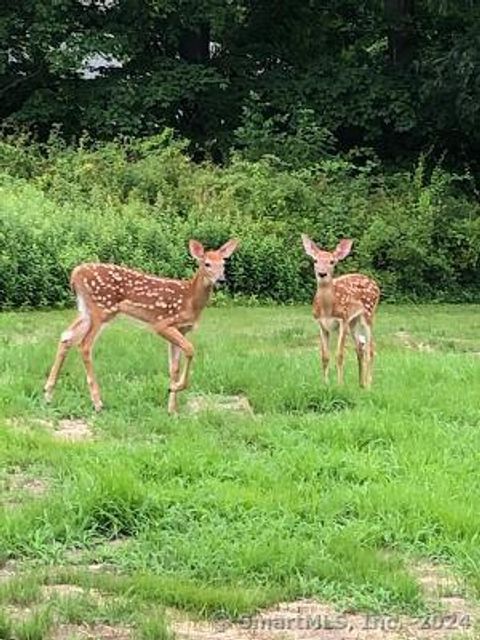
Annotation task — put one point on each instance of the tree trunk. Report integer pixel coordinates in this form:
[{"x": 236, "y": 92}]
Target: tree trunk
[
  {"x": 194, "y": 44},
  {"x": 399, "y": 16}
]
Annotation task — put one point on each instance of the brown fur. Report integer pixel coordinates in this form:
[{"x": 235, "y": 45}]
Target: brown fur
[
  {"x": 113, "y": 289},
  {"x": 348, "y": 302},
  {"x": 171, "y": 307},
  {"x": 349, "y": 295}
]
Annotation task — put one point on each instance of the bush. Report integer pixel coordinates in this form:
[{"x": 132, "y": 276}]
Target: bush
[{"x": 139, "y": 202}]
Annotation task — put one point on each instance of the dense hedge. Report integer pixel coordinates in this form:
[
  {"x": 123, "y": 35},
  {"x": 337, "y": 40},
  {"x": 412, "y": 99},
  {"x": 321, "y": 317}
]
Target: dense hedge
[{"x": 138, "y": 203}]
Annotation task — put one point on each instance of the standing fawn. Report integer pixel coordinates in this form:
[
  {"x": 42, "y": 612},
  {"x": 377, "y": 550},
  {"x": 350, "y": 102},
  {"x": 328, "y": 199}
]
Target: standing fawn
[
  {"x": 170, "y": 307},
  {"x": 349, "y": 302}
]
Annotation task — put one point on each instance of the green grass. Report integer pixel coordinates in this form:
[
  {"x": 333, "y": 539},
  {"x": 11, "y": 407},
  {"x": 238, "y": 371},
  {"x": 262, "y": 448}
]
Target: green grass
[
  {"x": 327, "y": 492},
  {"x": 34, "y": 627}
]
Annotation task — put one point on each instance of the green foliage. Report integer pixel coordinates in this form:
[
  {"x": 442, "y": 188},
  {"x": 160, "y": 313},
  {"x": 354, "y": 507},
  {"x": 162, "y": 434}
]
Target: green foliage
[
  {"x": 34, "y": 627},
  {"x": 399, "y": 76},
  {"x": 155, "y": 628},
  {"x": 295, "y": 138},
  {"x": 139, "y": 203}
]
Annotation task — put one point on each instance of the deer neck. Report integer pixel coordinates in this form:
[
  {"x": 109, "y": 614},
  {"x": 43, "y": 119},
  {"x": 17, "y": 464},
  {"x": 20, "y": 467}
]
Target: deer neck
[
  {"x": 325, "y": 298},
  {"x": 201, "y": 288}
]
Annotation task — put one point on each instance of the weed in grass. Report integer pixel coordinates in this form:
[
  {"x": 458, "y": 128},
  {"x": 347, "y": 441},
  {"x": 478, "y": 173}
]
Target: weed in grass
[
  {"x": 72, "y": 605},
  {"x": 35, "y": 627},
  {"x": 5, "y": 627},
  {"x": 154, "y": 628},
  {"x": 21, "y": 590}
]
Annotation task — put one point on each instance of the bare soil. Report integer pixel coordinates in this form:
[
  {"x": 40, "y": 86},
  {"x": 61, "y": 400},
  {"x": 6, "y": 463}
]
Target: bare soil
[
  {"x": 91, "y": 632},
  {"x": 8, "y": 571},
  {"x": 16, "y": 481},
  {"x": 408, "y": 341},
  {"x": 73, "y": 430},
  {"x": 216, "y": 402},
  {"x": 308, "y": 619}
]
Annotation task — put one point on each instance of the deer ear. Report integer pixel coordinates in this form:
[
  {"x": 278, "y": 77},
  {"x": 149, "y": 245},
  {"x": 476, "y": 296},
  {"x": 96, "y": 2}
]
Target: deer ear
[
  {"x": 343, "y": 249},
  {"x": 228, "y": 248},
  {"x": 310, "y": 247},
  {"x": 196, "y": 249}
]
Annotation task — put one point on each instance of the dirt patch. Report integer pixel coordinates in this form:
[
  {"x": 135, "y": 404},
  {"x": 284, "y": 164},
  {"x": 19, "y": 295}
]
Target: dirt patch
[
  {"x": 75, "y": 556},
  {"x": 18, "y": 482},
  {"x": 73, "y": 430},
  {"x": 8, "y": 571},
  {"x": 62, "y": 590},
  {"x": 87, "y": 558},
  {"x": 436, "y": 580},
  {"x": 116, "y": 543},
  {"x": 442, "y": 588},
  {"x": 408, "y": 341},
  {"x": 457, "y": 346},
  {"x": 216, "y": 402},
  {"x": 93, "y": 632},
  {"x": 69, "y": 430},
  {"x": 18, "y": 613},
  {"x": 101, "y": 567},
  {"x": 81, "y": 559},
  {"x": 16, "y": 486},
  {"x": 69, "y": 591},
  {"x": 312, "y": 620},
  {"x": 453, "y": 616},
  {"x": 26, "y": 423}
]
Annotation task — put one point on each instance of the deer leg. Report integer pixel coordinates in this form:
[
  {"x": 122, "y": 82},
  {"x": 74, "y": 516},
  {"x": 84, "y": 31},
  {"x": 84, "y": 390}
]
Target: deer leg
[
  {"x": 325, "y": 353},
  {"x": 362, "y": 337},
  {"x": 366, "y": 354},
  {"x": 371, "y": 358},
  {"x": 72, "y": 336},
  {"x": 342, "y": 334},
  {"x": 177, "y": 339},
  {"x": 174, "y": 353},
  {"x": 359, "y": 347},
  {"x": 86, "y": 347}
]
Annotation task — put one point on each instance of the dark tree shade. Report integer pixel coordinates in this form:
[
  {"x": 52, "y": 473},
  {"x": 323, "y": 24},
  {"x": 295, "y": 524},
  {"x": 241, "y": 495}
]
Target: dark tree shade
[
  {"x": 397, "y": 75},
  {"x": 399, "y": 15}
]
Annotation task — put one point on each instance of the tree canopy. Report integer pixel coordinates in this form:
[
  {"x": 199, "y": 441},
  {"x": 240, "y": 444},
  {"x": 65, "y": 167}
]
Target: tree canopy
[{"x": 399, "y": 76}]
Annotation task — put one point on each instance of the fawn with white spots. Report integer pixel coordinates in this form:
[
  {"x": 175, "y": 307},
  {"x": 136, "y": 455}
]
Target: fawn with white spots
[
  {"x": 348, "y": 302},
  {"x": 170, "y": 307}
]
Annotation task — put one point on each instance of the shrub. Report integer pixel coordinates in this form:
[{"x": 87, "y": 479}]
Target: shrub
[{"x": 139, "y": 202}]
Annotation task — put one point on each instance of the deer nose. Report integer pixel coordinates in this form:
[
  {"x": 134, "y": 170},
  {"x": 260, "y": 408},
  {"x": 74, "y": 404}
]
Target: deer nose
[{"x": 322, "y": 275}]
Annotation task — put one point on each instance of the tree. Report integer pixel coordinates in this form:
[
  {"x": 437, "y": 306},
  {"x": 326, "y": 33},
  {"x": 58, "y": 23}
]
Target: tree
[
  {"x": 396, "y": 75},
  {"x": 399, "y": 15}
]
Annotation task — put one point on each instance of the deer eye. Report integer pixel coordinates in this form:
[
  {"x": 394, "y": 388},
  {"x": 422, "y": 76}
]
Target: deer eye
[
  {"x": 208, "y": 263},
  {"x": 332, "y": 261}
]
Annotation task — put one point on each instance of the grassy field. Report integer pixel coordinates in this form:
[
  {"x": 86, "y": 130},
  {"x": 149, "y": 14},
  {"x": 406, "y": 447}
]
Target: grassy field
[{"x": 331, "y": 493}]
